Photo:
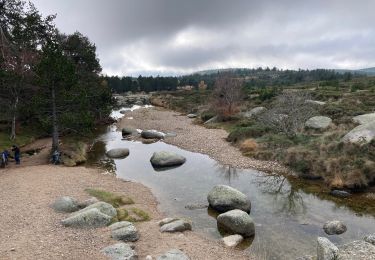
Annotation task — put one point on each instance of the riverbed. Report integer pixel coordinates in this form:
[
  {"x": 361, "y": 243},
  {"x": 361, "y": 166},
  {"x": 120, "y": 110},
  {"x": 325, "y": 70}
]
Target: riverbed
[{"x": 288, "y": 220}]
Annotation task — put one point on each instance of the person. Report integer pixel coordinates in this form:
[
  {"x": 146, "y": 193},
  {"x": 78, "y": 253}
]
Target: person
[
  {"x": 2, "y": 160},
  {"x": 56, "y": 157},
  {"x": 6, "y": 156},
  {"x": 17, "y": 152}
]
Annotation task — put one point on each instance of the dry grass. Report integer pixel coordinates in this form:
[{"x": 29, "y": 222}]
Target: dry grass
[{"x": 249, "y": 145}]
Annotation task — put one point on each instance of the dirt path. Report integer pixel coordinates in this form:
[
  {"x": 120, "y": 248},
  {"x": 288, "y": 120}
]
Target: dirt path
[
  {"x": 30, "y": 229},
  {"x": 195, "y": 138}
]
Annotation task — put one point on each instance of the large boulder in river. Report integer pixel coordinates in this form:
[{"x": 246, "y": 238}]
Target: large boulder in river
[
  {"x": 65, "y": 204},
  {"x": 236, "y": 222},
  {"x": 127, "y": 131},
  {"x": 88, "y": 218},
  {"x": 125, "y": 231},
  {"x": 166, "y": 159},
  {"x": 118, "y": 153},
  {"x": 364, "y": 119},
  {"x": 152, "y": 134},
  {"x": 334, "y": 227},
  {"x": 224, "y": 198},
  {"x": 356, "y": 250},
  {"x": 120, "y": 251},
  {"x": 318, "y": 122},
  {"x": 174, "y": 254},
  {"x": 361, "y": 134}
]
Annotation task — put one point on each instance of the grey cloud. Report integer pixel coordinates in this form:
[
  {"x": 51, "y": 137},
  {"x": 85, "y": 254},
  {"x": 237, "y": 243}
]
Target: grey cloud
[{"x": 141, "y": 36}]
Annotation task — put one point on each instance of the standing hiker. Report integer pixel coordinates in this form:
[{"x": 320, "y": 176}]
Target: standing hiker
[{"x": 17, "y": 152}]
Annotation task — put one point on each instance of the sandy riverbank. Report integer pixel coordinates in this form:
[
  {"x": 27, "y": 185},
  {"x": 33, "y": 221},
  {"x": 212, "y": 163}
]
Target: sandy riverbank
[
  {"x": 195, "y": 138},
  {"x": 30, "y": 229}
]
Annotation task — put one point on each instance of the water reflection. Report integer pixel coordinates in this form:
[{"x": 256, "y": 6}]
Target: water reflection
[
  {"x": 287, "y": 198},
  {"x": 227, "y": 172}
]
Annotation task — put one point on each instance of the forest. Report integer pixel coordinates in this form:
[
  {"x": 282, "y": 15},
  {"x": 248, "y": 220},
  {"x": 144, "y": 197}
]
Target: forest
[
  {"x": 254, "y": 78},
  {"x": 49, "y": 81}
]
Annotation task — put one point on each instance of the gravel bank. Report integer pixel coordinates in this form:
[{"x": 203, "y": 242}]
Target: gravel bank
[
  {"x": 195, "y": 138},
  {"x": 30, "y": 229}
]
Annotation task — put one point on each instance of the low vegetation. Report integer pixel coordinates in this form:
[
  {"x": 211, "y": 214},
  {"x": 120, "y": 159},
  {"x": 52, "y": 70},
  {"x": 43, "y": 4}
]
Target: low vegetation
[
  {"x": 109, "y": 197},
  {"x": 313, "y": 154}
]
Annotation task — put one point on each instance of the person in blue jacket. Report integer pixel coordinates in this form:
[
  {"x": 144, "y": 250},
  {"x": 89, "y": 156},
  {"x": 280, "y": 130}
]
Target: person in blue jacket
[{"x": 17, "y": 154}]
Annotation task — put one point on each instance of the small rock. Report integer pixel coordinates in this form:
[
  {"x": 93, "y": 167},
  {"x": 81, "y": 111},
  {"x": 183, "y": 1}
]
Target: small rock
[
  {"x": 89, "y": 218},
  {"x": 326, "y": 250},
  {"x": 152, "y": 134},
  {"x": 212, "y": 120},
  {"x": 148, "y": 257},
  {"x": 340, "y": 193},
  {"x": 87, "y": 202},
  {"x": 233, "y": 240},
  {"x": 166, "y": 221},
  {"x": 223, "y": 198},
  {"x": 124, "y": 231},
  {"x": 127, "y": 131},
  {"x": 12, "y": 249},
  {"x": 120, "y": 251},
  {"x": 166, "y": 159},
  {"x": 179, "y": 225},
  {"x": 306, "y": 257},
  {"x": 173, "y": 254},
  {"x": 118, "y": 153},
  {"x": 318, "y": 122},
  {"x": 191, "y": 115},
  {"x": 334, "y": 227},
  {"x": 254, "y": 112},
  {"x": 65, "y": 204},
  {"x": 237, "y": 222},
  {"x": 315, "y": 102},
  {"x": 370, "y": 239},
  {"x": 103, "y": 207}
]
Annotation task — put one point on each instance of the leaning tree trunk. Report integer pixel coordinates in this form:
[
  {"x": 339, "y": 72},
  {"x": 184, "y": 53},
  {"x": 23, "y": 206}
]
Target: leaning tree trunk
[
  {"x": 14, "y": 118},
  {"x": 55, "y": 130}
]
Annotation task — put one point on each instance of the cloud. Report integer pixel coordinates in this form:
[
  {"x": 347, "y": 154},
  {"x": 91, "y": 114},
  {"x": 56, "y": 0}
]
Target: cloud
[{"x": 179, "y": 36}]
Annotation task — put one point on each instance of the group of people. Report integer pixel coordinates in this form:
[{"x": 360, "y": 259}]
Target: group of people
[{"x": 5, "y": 155}]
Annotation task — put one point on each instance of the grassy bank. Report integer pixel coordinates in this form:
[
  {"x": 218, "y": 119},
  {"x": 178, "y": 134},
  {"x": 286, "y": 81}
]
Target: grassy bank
[{"x": 313, "y": 154}]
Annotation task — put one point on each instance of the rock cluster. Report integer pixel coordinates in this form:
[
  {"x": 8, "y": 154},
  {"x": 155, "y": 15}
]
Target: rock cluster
[{"x": 173, "y": 225}]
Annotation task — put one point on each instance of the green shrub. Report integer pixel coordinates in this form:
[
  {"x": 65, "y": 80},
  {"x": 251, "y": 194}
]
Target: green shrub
[
  {"x": 109, "y": 197},
  {"x": 207, "y": 115},
  {"x": 242, "y": 133}
]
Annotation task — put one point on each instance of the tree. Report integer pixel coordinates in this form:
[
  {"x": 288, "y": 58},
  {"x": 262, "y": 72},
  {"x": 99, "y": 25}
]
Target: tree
[
  {"x": 227, "y": 95},
  {"x": 21, "y": 33},
  {"x": 289, "y": 113},
  {"x": 57, "y": 75}
]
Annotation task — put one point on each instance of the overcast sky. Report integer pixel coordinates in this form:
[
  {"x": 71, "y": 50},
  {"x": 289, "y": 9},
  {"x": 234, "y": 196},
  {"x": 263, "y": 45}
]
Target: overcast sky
[{"x": 181, "y": 36}]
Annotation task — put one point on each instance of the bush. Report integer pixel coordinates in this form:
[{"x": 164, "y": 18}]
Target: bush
[
  {"x": 207, "y": 115},
  {"x": 249, "y": 145},
  {"x": 242, "y": 133}
]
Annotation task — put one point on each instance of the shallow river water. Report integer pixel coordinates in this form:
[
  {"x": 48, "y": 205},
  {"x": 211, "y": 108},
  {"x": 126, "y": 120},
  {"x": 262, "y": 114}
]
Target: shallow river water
[{"x": 288, "y": 220}]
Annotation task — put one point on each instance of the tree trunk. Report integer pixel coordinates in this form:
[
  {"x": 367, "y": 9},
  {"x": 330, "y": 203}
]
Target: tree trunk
[
  {"x": 55, "y": 130},
  {"x": 14, "y": 117}
]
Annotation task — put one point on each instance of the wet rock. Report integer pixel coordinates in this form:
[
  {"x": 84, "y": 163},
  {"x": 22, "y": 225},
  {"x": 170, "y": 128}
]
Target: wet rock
[
  {"x": 318, "y": 122},
  {"x": 89, "y": 218},
  {"x": 361, "y": 134},
  {"x": 118, "y": 153},
  {"x": 152, "y": 134},
  {"x": 120, "y": 251},
  {"x": 166, "y": 221},
  {"x": 356, "y": 250},
  {"x": 340, "y": 193},
  {"x": 326, "y": 250},
  {"x": 124, "y": 231},
  {"x": 370, "y": 239},
  {"x": 224, "y": 198},
  {"x": 166, "y": 159},
  {"x": 196, "y": 206},
  {"x": 127, "y": 131},
  {"x": 191, "y": 115},
  {"x": 233, "y": 240},
  {"x": 334, "y": 227},
  {"x": 88, "y": 202},
  {"x": 173, "y": 254},
  {"x": 237, "y": 222},
  {"x": 65, "y": 204},
  {"x": 364, "y": 119},
  {"x": 178, "y": 225}
]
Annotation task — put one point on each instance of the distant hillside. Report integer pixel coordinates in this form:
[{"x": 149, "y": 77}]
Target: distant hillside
[{"x": 367, "y": 71}]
